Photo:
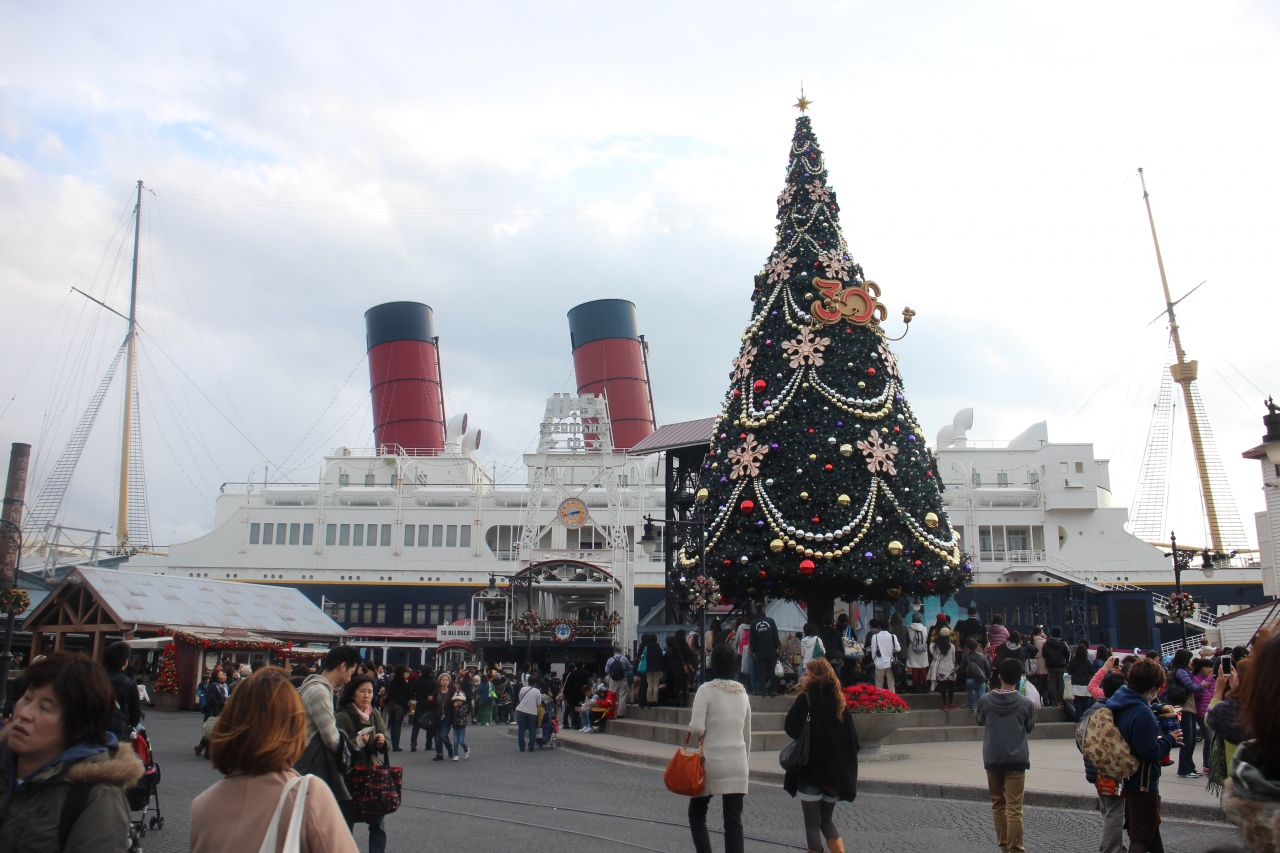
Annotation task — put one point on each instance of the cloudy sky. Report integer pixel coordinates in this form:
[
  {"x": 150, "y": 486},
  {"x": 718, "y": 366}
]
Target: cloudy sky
[{"x": 504, "y": 162}]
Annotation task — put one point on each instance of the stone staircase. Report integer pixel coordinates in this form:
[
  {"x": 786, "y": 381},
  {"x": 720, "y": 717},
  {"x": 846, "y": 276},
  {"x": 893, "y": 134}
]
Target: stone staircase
[{"x": 926, "y": 722}]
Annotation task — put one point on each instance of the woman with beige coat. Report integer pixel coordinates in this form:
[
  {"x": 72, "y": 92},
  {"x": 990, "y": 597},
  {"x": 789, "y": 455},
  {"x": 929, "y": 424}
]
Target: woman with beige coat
[
  {"x": 258, "y": 737},
  {"x": 721, "y": 721}
]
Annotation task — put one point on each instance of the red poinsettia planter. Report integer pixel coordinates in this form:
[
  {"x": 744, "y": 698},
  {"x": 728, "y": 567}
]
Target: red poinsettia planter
[{"x": 876, "y": 713}]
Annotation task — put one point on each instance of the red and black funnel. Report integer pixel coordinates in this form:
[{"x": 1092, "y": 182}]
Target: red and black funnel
[
  {"x": 404, "y": 377},
  {"x": 609, "y": 359}
]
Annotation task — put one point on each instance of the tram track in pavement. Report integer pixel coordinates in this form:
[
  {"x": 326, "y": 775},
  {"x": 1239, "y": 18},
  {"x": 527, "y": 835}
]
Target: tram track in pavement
[{"x": 572, "y": 809}]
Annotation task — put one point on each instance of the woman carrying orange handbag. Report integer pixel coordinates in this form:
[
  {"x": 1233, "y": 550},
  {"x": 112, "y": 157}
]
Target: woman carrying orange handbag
[{"x": 721, "y": 720}]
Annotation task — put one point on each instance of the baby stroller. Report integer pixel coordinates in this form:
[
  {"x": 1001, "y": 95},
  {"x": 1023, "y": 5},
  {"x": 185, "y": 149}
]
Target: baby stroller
[
  {"x": 549, "y": 731},
  {"x": 144, "y": 797}
]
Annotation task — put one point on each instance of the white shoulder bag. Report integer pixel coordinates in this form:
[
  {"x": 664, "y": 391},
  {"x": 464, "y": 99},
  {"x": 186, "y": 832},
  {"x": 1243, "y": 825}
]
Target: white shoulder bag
[{"x": 293, "y": 837}]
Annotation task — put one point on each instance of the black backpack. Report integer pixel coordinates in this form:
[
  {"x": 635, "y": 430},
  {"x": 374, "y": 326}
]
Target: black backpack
[
  {"x": 1055, "y": 653},
  {"x": 617, "y": 669},
  {"x": 1175, "y": 692}
]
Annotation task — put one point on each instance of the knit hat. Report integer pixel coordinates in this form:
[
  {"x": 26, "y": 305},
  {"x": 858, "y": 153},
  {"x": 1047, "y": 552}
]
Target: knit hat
[{"x": 945, "y": 632}]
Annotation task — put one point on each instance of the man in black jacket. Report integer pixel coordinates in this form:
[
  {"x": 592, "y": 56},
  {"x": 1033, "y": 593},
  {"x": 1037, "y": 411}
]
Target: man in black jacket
[
  {"x": 128, "y": 710},
  {"x": 1056, "y": 655},
  {"x": 571, "y": 694},
  {"x": 422, "y": 694},
  {"x": 763, "y": 646}
]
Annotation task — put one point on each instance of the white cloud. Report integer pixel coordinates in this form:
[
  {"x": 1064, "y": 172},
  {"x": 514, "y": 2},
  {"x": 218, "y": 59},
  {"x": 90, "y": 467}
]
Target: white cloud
[{"x": 983, "y": 156}]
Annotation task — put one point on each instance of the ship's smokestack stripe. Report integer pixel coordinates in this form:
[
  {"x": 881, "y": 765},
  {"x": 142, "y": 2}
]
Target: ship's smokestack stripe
[
  {"x": 404, "y": 376},
  {"x": 608, "y": 359}
]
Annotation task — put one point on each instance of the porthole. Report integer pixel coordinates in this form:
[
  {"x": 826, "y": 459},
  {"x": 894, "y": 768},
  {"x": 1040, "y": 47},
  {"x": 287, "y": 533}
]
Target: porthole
[
  {"x": 235, "y": 575},
  {"x": 421, "y": 579},
  {"x": 342, "y": 577}
]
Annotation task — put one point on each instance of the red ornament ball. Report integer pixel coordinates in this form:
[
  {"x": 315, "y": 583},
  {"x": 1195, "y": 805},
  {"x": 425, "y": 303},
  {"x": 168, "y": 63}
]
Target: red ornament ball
[
  {"x": 737, "y": 393},
  {"x": 895, "y": 429},
  {"x": 728, "y": 563},
  {"x": 871, "y": 371},
  {"x": 817, "y": 520},
  {"x": 918, "y": 564},
  {"x": 828, "y": 467},
  {"x": 806, "y": 567},
  {"x": 759, "y": 385},
  {"x": 763, "y": 573},
  {"x": 747, "y": 507},
  {"x": 810, "y": 430}
]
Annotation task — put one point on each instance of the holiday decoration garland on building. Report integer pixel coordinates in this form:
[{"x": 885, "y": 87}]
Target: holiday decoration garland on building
[
  {"x": 527, "y": 623},
  {"x": 167, "y": 681},
  {"x": 703, "y": 592},
  {"x": 818, "y": 482},
  {"x": 563, "y": 630},
  {"x": 226, "y": 643}
]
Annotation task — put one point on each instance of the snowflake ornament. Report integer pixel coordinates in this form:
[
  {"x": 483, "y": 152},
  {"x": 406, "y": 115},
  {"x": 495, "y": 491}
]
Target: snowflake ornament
[
  {"x": 879, "y": 455},
  {"x": 779, "y": 268},
  {"x": 742, "y": 364},
  {"x": 836, "y": 264},
  {"x": 788, "y": 193},
  {"x": 889, "y": 360},
  {"x": 819, "y": 192},
  {"x": 746, "y": 459},
  {"x": 806, "y": 348}
]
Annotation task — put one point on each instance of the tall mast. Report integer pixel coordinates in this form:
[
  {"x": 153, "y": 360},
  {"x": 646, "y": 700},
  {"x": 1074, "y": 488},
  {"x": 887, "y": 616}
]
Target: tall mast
[
  {"x": 122, "y": 519},
  {"x": 1184, "y": 373}
]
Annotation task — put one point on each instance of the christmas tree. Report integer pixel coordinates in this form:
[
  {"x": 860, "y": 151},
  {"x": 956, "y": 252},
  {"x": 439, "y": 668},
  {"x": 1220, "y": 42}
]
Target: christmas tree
[
  {"x": 167, "y": 681},
  {"x": 818, "y": 483}
]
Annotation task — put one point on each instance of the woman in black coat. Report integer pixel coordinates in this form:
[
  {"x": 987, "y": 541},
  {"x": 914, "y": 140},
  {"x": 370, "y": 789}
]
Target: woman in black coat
[
  {"x": 673, "y": 665},
  {"x": 831, "y": 775}
]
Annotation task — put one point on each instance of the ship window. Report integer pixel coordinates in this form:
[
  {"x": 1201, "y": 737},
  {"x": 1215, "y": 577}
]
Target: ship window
[
  {"x": 977, "y": 479},
  {"x": 1079, "y": 467},
  {"x": 464, "y": 536},
  {"x": 295, "y": 534},
  {"x": 344, "y": 480},
  {"x": 1033, "y": 477},
  {"x": 357, "y": 535},
  {"x": 267, "y": 531},
  {"x": 420, "y": 615},
  {"x": 1062, "y": 467},
  {"x": 255, "y": 530},
  {"x": 435, "y": 614},
  {"x": 1002, "y": 480},
  {"x": 382, "y": 614},
  {"x": 408, "y": 615},
  {"x": 282, "y": 533},
  {"x": 371, "y": 535},
  {"x": 344, "y": 534},
  {"x": 451, "y": 536},
  {"x": 409, "y": 537},
  {"x": 386, "y": 536},
  {"x": 1019, "y": 538},
  {"x": 331, "y": 534},
  {"x": 368, "y": 479},
  {"x": 1062, "y": 537},
  {"x": 1093, "y": 614},
  {"x": 437, "y": 535},
  {"x": 308, "y": 534},
  {"x": 368, "y": 613},
  {"x": 1037, "y": 538},
  {"x": 424, "y": 535}
]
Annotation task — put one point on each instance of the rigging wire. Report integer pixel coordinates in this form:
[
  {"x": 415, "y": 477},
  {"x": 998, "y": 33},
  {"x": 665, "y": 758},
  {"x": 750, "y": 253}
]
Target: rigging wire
[
  {"x": 182, "y": 288},
  {"x": 204, "y": 493},
  {"x": 208, "y": 400},
  {"x": 323, "y": 412},
  {"x": 184, "y": 428},
  {"x": 345, "y": 207}
]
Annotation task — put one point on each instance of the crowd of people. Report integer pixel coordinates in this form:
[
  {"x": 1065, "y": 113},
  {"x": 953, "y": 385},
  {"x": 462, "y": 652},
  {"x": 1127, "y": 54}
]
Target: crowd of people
[{"x": 301, "y": 752}]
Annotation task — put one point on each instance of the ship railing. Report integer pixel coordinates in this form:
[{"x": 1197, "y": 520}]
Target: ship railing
[
  {"x": 1015, "y": 555},
  {"x": 501, "y": 632},
  {"x": 1194, "y": 642}
]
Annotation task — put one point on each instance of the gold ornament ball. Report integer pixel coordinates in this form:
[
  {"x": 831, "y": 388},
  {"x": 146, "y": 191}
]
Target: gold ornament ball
[
  {"x": 895, "y": 547},
  {"x": 702, "y": 495},
  {"x": 813, "y": 457},
  {"x": 894, "y": 591},
  {"x": 804, "y": 496},
  {"x": 844, "y": 500},
  {"x": 776, "y": 546},
  {"x": 846, "y": 450},
  {"x": 931, "y": 519}
]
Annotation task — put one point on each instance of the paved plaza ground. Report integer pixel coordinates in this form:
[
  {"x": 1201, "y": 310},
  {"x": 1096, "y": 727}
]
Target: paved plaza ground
[{"x": 568, "y": 800}]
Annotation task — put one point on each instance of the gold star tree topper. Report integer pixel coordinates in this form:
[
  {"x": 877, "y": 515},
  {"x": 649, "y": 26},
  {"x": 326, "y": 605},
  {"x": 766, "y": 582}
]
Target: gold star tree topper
[{"x": 802, "y": 103}]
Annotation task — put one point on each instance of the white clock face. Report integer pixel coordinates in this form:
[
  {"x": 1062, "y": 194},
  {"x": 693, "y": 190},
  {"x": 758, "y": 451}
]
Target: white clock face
[{"x": 572, "y": 513}]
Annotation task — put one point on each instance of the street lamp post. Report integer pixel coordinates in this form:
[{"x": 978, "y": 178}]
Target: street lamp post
[
  {"x": 1181, "y": 563},
  {"x": 516, "y": 582}
]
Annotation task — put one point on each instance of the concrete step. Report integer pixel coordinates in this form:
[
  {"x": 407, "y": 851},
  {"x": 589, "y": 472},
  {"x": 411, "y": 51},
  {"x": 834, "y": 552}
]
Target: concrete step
[
  {"x": 762, "y": 721},
  {"x": 964, "y": 717},
  {"x": 761, "y": 741},
  {"x": 938, "y": 734}
]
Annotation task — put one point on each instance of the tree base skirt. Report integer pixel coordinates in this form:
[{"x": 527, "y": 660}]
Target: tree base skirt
[{"x": 166, "y": 701}]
